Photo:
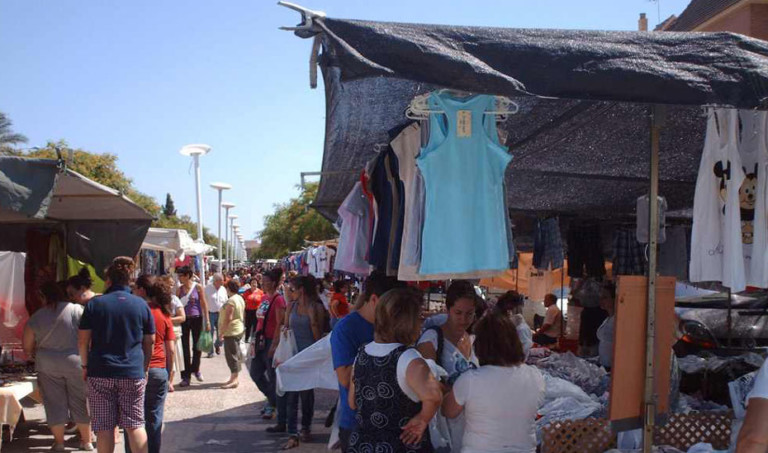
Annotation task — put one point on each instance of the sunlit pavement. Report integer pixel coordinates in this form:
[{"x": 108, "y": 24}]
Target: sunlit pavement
[{"x": 200, "y": 418}]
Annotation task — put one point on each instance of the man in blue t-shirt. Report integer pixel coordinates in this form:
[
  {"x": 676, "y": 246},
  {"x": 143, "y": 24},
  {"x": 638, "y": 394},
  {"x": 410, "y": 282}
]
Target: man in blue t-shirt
[
  {"x": 117, "y": 334},
  {"x": 349, "y": 335}
]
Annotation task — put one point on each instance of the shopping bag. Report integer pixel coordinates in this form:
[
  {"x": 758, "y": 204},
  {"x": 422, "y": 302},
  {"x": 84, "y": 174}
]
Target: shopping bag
[
  {"x": 205, "y": 342},
  {"x": 312, "y": 368},
  {"x": 245, "y": 349},
  {"x": 286, "y": 348}
]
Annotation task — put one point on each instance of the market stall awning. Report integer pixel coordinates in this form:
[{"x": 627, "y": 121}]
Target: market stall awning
[
  {"x": 98, "y": 222},
  {"x": 582, "y": 135}
]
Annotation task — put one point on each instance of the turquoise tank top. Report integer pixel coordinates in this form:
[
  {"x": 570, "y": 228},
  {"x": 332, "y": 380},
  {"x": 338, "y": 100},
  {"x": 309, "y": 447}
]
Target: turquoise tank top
[{"x": 463, "y": 168}]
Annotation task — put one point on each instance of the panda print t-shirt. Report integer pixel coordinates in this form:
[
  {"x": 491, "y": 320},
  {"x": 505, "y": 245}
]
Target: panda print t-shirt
[{"x": 753, "y": 152}]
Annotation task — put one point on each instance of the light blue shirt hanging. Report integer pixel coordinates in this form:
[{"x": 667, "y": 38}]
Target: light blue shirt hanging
[{"x": 463, "y": 168}]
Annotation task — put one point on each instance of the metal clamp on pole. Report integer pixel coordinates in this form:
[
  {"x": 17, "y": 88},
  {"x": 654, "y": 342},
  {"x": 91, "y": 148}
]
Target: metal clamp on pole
[{"x": 306, "y": 28}]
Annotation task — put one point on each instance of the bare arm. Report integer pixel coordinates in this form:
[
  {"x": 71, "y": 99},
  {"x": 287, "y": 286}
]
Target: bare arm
[
  {"x": 316, "y": 321},
  {"x": 451, "y": 409},
  {"x": 344, "y": 373},
  {"x": 204, "y": 307},
  {"x": 148, "y": 342},
  {"x": 83, "y": 345},
  {"x": 28, "y": 342},
  {"x": 229, "y": 313},
  {"x": 420, "y": 379},
  {"x": 180, "y": 317},
  {"x": 280, "y": 313},
  {"x": 753, "y": 437},
  {"x": 170, "y": 353}
]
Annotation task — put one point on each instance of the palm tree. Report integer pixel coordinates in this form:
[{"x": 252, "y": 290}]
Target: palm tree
[{"x": 7, "y": 136}]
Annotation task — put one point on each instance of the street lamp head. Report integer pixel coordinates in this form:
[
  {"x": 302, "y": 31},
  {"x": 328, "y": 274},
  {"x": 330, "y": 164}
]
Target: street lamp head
[
  {"x": 232, "y": 216},
  {"x": 221, "y": 185},
  {"x": 227, "y": 205},
  {"x": 195, "y": 150}
]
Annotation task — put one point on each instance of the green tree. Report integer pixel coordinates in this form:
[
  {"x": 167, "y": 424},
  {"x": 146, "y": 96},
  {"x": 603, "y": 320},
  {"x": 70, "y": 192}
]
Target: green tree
[
  {"x": 292, "y": 224},
  {"x": 169, "y": 210},
  {"x": 8, "y": 138}
]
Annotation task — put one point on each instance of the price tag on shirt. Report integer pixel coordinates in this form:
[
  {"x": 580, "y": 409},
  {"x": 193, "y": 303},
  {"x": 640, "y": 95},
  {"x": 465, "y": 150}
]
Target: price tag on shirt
[{"x": 464, "y": 123}]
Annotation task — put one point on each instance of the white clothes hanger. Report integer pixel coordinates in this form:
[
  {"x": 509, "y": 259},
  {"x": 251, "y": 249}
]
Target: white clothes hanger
[{"x": 419, "y": 107}]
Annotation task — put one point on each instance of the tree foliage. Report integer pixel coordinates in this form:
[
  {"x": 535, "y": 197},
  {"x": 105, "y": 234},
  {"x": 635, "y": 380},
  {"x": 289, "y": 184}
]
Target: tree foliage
[
  {"x": 8, "y": 138},
  {"x": 169, "y": 210},
  {"x": 292, "y": 224}
]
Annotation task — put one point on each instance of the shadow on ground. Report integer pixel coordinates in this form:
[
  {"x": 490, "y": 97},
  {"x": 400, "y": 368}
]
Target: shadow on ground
[{"x": 241, "y": 429}]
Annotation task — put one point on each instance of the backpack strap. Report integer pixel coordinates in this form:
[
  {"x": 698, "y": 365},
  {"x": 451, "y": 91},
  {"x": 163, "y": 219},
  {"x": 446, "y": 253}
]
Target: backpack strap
[{"x": 440, "y": 342}]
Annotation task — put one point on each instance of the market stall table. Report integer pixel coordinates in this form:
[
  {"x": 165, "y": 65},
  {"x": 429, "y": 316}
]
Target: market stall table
[{"x": 11, "y": 395}]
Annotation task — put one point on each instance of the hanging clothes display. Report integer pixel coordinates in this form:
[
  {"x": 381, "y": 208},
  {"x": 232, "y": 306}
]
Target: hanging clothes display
[
  {"x": 585, "y": 251},
  {"x": 628, "y": 254},
  {"x": 548, "y": 245},
  {"x": 396, "y": 225},
  {"x": 716, "y": 238},
  {"x": 753, "y": 195},
  {"x": 354, "y": 239},
  {"x": 463, "y": 169},
  {"x": 407, "y": 146}
]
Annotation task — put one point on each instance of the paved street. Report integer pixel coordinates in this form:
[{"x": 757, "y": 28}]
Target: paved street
[{"x": 200, "y": 418}]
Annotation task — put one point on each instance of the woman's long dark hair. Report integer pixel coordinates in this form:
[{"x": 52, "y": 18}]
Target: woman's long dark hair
[{"x": 160, "y": 294}]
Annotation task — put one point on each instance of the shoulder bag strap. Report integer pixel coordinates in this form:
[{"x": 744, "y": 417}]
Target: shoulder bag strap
[
  {"x": 440, "y": 341},
  {"x": 56, "y": 323}
]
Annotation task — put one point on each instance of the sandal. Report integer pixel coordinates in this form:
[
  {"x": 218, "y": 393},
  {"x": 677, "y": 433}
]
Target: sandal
[{"x": 292, "y": 443}]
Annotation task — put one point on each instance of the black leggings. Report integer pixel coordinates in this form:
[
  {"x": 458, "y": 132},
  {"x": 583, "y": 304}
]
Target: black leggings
[
  {"x": 250, "y": 323},
  {"x": 193, "y": 326}
]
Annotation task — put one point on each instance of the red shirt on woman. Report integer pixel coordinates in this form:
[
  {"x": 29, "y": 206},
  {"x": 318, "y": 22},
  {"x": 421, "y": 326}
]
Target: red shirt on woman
[
  {"x": 253, "y": 298},
  {"x": 339, "y": 305},
  {"x": 163, "y": 333}
]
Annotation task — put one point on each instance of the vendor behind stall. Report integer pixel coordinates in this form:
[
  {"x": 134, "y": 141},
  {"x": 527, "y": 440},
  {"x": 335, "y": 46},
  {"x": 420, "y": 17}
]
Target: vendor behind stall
[{"x": 550, "y": 330}]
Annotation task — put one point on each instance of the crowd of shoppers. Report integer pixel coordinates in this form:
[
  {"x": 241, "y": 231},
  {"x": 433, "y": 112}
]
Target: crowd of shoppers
[{"x": 128, "y": 352}]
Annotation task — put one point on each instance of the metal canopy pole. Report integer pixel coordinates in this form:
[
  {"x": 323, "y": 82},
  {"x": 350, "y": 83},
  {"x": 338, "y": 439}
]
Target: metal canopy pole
[{"x": 649, "y": 398}]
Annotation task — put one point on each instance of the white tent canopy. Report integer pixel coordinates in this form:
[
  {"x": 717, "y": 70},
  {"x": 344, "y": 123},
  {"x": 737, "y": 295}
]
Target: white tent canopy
[{"x": 173, "y": 240}]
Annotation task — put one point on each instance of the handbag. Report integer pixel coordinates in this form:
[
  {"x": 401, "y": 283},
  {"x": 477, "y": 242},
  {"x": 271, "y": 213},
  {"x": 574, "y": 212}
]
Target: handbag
[
  {"x": 259, "y": 339},
  {"x": 286, "y": 349},
  {"x": 287, "y": 346}
]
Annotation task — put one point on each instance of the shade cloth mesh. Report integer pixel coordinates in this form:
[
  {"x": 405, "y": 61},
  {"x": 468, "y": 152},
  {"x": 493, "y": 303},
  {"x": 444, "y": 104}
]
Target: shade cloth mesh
[{"x": 581, "y": 140}]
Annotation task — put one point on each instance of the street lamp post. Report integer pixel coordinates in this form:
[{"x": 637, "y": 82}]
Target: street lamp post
[
  {"x": 196, "y": 151},
  {"x": 227, "y": 206},
  {"x": 235, "y": 232},
  {"x": 241, "y": 245},
  {"x": 220, "y": 187},
  {"x": 230, "y": 250}
]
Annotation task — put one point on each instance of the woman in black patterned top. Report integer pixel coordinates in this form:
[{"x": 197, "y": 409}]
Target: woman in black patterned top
[{"x": 393, "y": 389}]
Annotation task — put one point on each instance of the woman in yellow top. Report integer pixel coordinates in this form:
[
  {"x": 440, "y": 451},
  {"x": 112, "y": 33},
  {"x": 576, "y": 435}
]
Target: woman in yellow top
[{"x": 231, "y": 330}]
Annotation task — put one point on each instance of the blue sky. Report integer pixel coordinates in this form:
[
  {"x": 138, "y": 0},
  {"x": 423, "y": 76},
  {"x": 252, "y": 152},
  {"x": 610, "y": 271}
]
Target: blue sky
[{"x": 142, "y": 78}]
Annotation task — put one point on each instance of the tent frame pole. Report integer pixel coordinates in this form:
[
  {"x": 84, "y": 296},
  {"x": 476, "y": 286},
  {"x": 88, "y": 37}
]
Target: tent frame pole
[{"x": 649, "y": 398}]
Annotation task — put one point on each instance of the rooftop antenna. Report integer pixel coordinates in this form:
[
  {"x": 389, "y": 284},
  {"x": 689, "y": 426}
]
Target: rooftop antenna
[{"x": 658, "y": 10}]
